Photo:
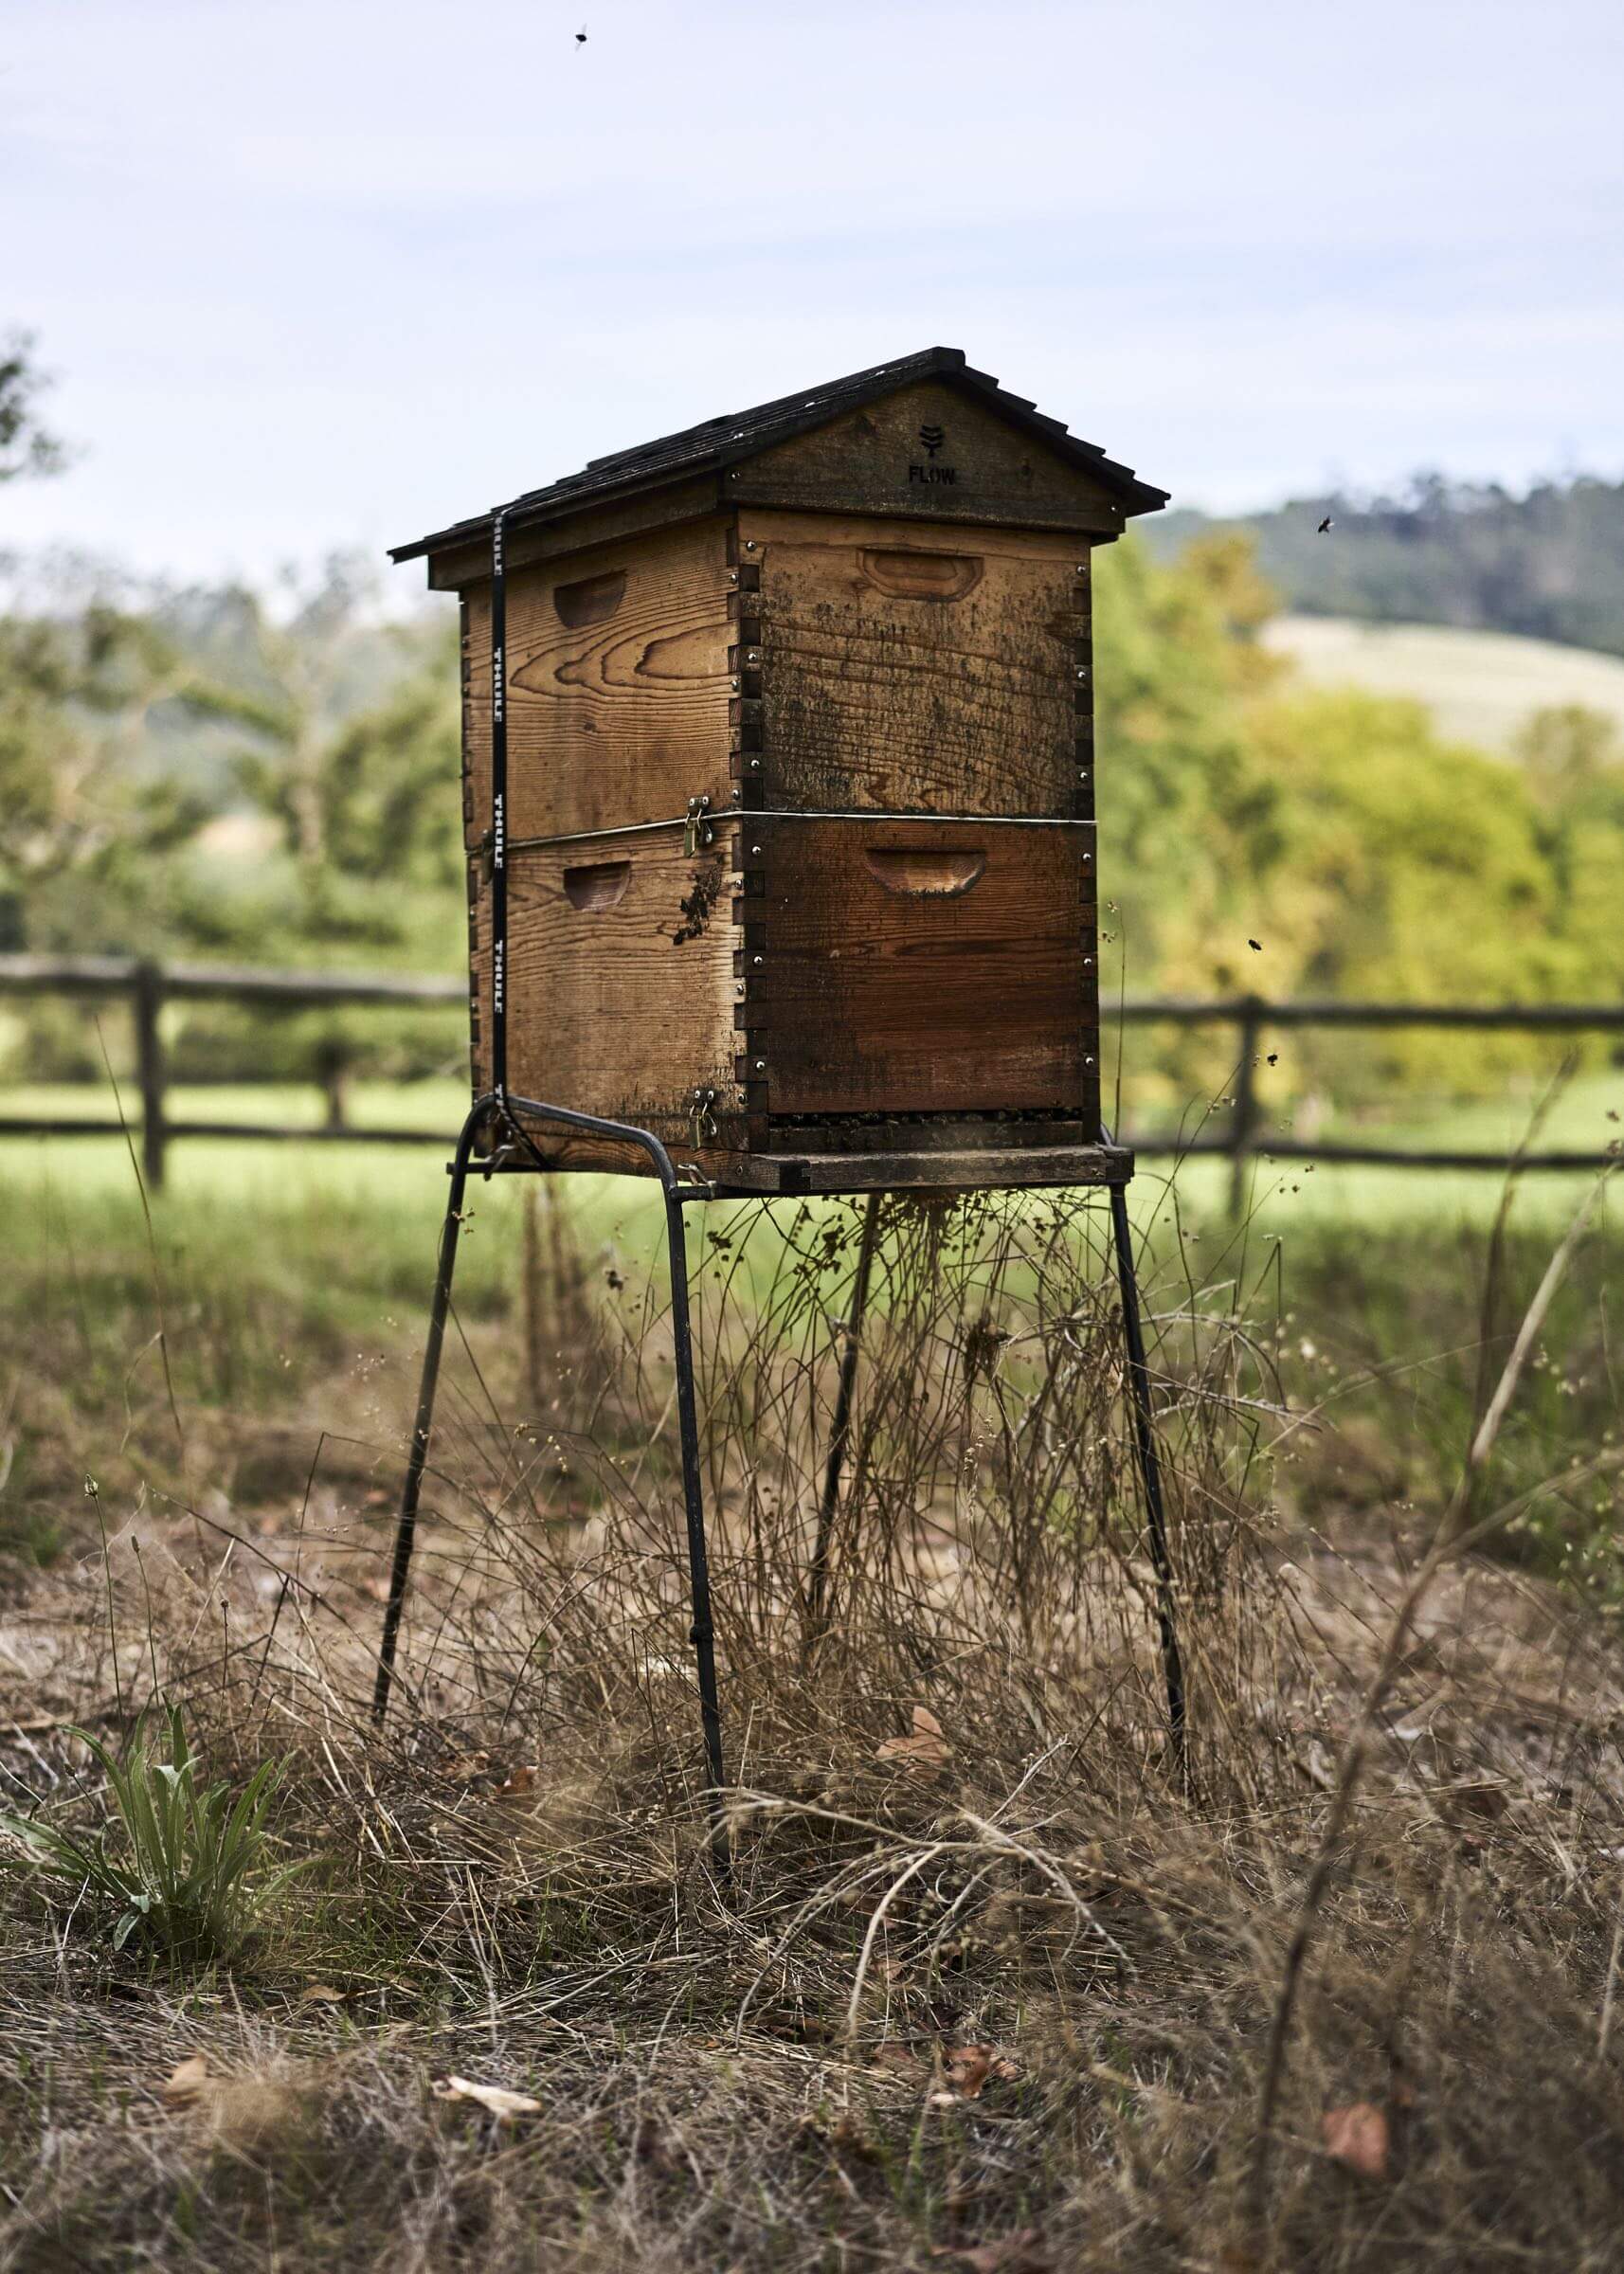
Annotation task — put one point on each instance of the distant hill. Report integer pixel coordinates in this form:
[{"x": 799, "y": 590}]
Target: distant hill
[
  {"x": 1548, "y": 565},
  {"x": 1480, "y": 687}
]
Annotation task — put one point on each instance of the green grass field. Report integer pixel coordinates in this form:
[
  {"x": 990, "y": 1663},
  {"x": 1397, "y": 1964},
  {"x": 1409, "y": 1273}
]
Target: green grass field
[{"x": 397, "y": 1191}]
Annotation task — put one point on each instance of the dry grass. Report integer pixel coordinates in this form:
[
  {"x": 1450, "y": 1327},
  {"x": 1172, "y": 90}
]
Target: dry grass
[{"x": 996, "y": 1999}]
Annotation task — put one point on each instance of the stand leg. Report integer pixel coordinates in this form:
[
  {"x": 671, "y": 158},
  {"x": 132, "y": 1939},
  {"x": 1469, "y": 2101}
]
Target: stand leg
[
  {"x": 1150, "y": 1476},
  {"x": 406, "y": 1531},
  {"x": 701, "y": 1635},
  {"x": 818, "y": 1574}
]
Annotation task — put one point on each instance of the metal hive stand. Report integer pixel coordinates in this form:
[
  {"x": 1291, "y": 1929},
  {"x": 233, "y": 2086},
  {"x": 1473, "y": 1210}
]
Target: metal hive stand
[{"x": 505, "y": 1113}]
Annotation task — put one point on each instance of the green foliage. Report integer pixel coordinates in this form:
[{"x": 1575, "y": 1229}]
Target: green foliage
[
  {"x": 26, "y": 447},
  {"x": 1549, "y": 564},
  {"x": 361, "y": 797},
  {"x": 1368, "y": 856},
  {"x": 76, "y": 697},
  {"x": 1189, "y": 821},
  {"x": 186, "y": 1873}
]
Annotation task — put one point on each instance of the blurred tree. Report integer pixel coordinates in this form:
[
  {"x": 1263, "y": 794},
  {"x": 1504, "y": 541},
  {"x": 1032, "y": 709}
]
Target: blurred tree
[
  {"x": 1574, "y": 761},
  {"x": 26, "y": 447},
  {"x": 288, "y": 696},
  {"x": 361, "y": 793},
  {"x": 1567, "y": 748},
  {"x": 77, "y": 694},
  {"x": 1549, "y": 564}
]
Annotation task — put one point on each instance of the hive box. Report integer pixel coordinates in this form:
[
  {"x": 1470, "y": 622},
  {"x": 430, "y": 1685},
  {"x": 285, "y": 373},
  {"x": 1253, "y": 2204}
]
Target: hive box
[{"x": 800, "y": 787}]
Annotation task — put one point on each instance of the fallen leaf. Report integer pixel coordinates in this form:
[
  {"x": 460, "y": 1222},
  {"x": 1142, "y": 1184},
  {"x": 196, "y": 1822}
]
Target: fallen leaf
[
  {"x": 966, "y": 2068},
  {"x": 520, "y": 1783},
  {"x": 495, "y": 2098},
  {"x": 191, "y": 2079},
  {"x": 1357, "y": 2136},
  {"x": 926, "y": 1749},
  {"x": 323, "y": 1993},
  {"x": 465, "y": 1767}
]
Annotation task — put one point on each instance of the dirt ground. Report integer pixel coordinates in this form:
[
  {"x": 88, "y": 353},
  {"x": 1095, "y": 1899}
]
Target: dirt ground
[{"x": 979, "y": 1976}]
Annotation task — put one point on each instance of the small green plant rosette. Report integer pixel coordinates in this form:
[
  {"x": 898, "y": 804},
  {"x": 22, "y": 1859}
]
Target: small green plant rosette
[{"x": 189, "y": 1873}]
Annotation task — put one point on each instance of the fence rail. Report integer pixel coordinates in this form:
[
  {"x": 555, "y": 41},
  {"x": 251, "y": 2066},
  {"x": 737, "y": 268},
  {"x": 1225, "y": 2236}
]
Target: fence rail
[{"x": 147, "y": 985}]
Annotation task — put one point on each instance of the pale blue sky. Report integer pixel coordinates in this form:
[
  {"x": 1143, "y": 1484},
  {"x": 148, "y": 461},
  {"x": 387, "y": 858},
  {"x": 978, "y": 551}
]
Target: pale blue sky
[{"x": 315, "y": 275}]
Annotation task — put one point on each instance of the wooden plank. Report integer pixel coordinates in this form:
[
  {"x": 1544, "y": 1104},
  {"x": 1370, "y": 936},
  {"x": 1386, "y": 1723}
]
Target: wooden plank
[
  {"x": 620, "y": 984},
  {"x": 954, "y": 1169},
  {"x": 910, "y": 967},
  {"x": 928, "y": 451},
  {"x": 618, "y": 685},
  {"x": 917, "y": 669}
]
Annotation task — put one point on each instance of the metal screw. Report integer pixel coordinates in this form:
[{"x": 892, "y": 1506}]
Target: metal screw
[
  {"x": 761, "y": 1065},
  {"x": 755, "y": 765},
  {"x": 732, "y": 576},
  {"x": 758, "y": 961},
  {"x": 734, "y": 475},
  {"x": 1082, "y": 773},
  {"x": 734, "y": 685},
  {"x": 1087, "y": 1061},
  {"x": 1088, "y": 962},
  {"x": 756, "y": 851},
  {"x": 1082, "y": 671},
  {"x": 749, "y": 544},
  {"x": 1087, "y": 859},
  {"x": 754, "y": 656}
]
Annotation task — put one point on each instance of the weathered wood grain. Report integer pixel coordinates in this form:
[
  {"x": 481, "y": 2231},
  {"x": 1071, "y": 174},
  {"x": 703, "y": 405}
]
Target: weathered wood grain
[
  {"x": 619, "y": 998},
  {"x": 879, "y": 459},
  {"x": 620, "y": 715},
  {"x": 869, "y": 999},
  {"x": 917, "y": 669}
]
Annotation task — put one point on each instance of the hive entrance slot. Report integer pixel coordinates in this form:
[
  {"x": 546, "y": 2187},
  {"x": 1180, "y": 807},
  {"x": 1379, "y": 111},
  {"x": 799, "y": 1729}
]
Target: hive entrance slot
[
  {"x": 921, "y": 575},
  {"x": 924, "y": 873},
  {"x": 596, "y": 883},
  {"x": 591, "y": 599}
]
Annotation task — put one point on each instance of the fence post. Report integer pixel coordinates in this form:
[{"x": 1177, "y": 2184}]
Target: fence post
[
  {"x": 148, "y": 1002},
  {"x": 1244, "y": 1116},
  {"x": 333, "y": 1073}
]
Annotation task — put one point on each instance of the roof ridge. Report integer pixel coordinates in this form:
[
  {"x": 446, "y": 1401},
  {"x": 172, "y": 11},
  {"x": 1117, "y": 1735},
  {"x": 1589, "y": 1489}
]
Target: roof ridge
[{"x": 732, "y": 435}]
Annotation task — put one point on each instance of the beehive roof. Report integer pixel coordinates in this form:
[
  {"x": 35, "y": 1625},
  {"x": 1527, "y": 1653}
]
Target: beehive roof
[{"x": 720, "y": 442}]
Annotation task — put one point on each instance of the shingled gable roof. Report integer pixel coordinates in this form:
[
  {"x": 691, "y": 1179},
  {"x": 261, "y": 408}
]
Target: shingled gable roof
[{"x": 725, "y": 441}]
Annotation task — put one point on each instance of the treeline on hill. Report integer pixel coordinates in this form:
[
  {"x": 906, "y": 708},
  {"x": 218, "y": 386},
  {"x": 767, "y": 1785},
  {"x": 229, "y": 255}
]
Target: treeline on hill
[
  {"x": 1548, "y": 563},
  {"x": 273, "y": 779}
]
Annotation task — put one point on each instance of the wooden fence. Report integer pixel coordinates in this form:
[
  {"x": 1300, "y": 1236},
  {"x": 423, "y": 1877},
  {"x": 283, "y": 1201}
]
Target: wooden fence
[{"x": 147, "y": 985}]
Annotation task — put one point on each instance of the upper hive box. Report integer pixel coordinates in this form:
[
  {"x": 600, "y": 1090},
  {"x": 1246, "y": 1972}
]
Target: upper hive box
[{"x": 799, "y": 823}]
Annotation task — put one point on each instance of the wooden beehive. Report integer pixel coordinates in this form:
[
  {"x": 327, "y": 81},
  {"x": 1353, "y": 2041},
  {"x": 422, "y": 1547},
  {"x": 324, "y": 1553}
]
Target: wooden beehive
[{"x": 799, "y": 846}]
